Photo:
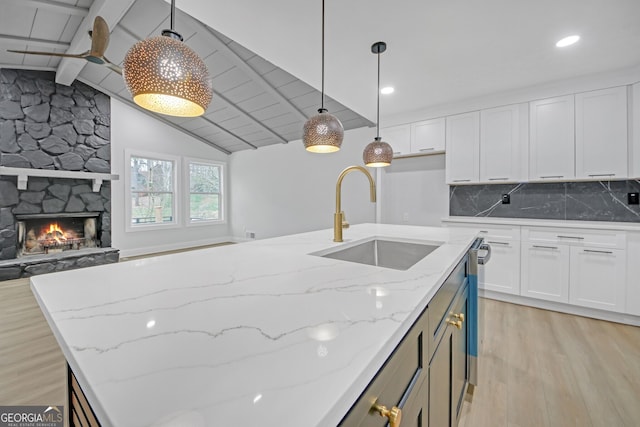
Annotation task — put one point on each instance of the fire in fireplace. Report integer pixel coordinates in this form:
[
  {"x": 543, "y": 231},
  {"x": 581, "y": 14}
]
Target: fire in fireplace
[{"x": 43, "y": 234}]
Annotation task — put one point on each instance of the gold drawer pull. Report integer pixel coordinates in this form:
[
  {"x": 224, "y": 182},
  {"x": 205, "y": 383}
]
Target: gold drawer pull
[
  {"x": 459, "y": 316},
  {"x": 394, "y": 414},
  {"x": 456, "y": 323}
]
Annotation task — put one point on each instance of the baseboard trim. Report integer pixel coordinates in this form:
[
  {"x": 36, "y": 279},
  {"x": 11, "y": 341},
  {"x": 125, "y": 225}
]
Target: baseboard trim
[
  {"x": 627, "y": 319},
  {"x": 126, "y": 253}
]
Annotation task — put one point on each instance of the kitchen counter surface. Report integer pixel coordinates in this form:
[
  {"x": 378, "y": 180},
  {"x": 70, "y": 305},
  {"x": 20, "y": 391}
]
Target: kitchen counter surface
[
  {"x": 593, "y": 225},
  {"x": 258, "y": 333}
]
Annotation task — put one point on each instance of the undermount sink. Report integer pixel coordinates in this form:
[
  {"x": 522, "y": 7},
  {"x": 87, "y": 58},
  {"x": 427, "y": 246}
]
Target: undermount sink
[{"x": 399, "y": 255}]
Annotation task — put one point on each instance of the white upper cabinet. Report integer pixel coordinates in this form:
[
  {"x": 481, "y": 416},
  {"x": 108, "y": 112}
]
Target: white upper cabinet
[
  {"x": 503, "y": 143},
  {"x": 601, "y": 134},
  {"x": 463, "y": 148},
  {"x": 428, "y": 136},
  {"x": 399, "y": 137},
  {"x": 551, "y": 139},
  {"x": 634, "y": 158}
]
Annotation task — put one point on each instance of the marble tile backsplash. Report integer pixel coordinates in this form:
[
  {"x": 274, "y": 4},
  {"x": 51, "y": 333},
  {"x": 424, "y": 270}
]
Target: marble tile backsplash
[{"x": 586, "y": 201}]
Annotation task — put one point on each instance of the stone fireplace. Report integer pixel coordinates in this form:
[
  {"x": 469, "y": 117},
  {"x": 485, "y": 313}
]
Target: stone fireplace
[{"x": 58, "y": 217}]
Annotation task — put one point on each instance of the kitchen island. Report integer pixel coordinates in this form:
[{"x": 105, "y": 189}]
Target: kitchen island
[{"x": 260, "y": 333}]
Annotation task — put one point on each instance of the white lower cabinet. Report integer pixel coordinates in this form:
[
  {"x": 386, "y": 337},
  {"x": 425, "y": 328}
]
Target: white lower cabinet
[
  {"x": 545, "y": 271},
  {"x": 598, "y": 278},
  {"x": 633, "y": 274},
  {"x": 592, "y": 268},
  {"x": 502, "y": 273}
]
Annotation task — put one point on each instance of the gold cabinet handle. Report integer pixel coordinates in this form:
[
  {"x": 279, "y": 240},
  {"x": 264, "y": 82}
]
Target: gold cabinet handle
[
  {"x": 459, "y": 316},
  {"x": 394, "y": 414},
  {"x": 456, "y": 323}
]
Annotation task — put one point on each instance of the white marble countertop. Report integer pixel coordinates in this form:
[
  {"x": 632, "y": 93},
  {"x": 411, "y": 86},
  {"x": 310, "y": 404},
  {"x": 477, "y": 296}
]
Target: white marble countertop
[
  {"x": 258, "y": 333},
  {"x": 589, "y": 225}
]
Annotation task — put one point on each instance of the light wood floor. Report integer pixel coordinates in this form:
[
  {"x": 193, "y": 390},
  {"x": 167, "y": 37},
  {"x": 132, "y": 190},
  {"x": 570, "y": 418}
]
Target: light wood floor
[
  {"x": 541, "y": 368},
  {"x": 537, "y": 368}
]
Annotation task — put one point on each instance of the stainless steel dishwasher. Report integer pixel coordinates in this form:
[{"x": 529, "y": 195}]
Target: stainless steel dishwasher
[{"x": 476, "y": 307}]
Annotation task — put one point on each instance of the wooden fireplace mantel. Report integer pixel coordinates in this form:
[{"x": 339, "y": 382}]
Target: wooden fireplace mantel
[{"x": 23, "y": 175}]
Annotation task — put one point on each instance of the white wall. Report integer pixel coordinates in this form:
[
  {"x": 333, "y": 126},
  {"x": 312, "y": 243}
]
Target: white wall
[
  {"x": 283, "y": 189},
  {"x": 134, "y": 130},
  {"x": 414, "y": 191}
]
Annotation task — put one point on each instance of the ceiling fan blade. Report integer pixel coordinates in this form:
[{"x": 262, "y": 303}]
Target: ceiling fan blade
[
  {"x": 99, "y": 37},
  {"x": 63, "y": 55},
  {"x": 113, "y": 67}
]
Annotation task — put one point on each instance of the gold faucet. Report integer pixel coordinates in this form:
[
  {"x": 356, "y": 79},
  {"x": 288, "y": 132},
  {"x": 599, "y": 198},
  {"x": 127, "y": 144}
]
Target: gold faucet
[{"x": 339, "y": 221}]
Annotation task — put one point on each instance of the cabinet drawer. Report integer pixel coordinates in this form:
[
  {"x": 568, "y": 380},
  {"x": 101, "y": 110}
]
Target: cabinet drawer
[
  {"x": 490, "y": 231},
  {"x": 575, "y": 237},
  {"x": 401, "y": 376},
  {"x": 442, "y": 301}
]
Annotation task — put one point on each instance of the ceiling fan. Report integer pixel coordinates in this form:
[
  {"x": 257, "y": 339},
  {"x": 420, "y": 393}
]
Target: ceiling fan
[{"x": 99, "y": 42}]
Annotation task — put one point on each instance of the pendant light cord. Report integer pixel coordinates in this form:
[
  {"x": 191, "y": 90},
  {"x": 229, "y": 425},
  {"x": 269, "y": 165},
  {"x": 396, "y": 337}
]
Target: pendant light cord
[
  {"x": 322, "y": 92},
  {"x": 173, "y": 13},
  {"x": 378, "y": 114}
]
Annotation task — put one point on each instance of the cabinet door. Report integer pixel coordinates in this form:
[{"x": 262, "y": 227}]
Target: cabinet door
[
  {"x": 428, "y": 136},
  {"x": 503, "y": 138},
  {"x": 415, "y": 412},
  {"x": 440, "y": 371},
  {"x": 545, "y": 272},
  {"x": 633, "y": 274},
  {"x": 634, "y": 158},
  {"x": 399, "y": 137},
  {"x": 598, "y": 278},
  {"x": 502, "y": 273},
  {"x": 551, "y": 139},
  {"x": 601, "y": 134},
  {"x": 459, "y": 359},
  {"x": 462, "y": 163}
]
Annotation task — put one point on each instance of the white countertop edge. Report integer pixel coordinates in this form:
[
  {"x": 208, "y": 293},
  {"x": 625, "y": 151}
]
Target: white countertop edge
[
  {"x": 71, "y": 361},
  {"x": 591, "y": 225}
]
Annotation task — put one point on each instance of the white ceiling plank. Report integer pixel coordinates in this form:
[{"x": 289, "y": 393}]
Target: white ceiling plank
[
  {"x": 49, "y": 25},
  {"x": 51, "y": 6},
  {"x": 20, "y": 43},
  {"x": 16, "y": 21}
]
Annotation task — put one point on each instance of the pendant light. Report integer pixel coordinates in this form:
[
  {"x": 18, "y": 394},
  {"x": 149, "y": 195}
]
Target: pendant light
[
  {"x": 165, "y": 76},
  {"x": 322, "y": 133},
  {"x": 378, "y": 153}
]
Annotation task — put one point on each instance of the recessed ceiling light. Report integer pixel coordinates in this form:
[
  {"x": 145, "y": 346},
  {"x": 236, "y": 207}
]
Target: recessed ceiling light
[
  {"x": 387, "y": 90},
  {"x": 568, "y": 41}
]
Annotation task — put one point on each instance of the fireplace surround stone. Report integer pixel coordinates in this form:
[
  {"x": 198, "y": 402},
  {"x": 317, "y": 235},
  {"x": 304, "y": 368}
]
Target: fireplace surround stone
[{"x": 44, "y": 125}]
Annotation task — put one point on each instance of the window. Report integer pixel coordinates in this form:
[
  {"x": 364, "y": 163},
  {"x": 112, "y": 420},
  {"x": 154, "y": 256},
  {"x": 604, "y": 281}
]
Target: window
[
  {"x": 205, "y": 191},
  {"x": 152, "y": 183}
]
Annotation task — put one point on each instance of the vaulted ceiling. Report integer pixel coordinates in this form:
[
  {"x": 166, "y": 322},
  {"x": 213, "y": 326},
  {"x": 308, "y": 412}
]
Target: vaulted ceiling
[
  {"x": 264, "y": 56},
  {"x": 255, "y": 103}
]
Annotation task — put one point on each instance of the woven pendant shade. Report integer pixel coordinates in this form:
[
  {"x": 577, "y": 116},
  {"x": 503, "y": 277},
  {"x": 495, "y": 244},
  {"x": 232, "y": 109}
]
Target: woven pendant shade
[
  {"x": 377, "y": 154},
  {"x": 165, "y": 76},
  {"x": 322, "y": 133}
]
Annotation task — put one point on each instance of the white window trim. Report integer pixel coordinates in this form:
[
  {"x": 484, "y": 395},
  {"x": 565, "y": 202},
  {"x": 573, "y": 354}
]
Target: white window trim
[
  {"x": 187, "y": 192},
  {"x": 176, "y": 223}
]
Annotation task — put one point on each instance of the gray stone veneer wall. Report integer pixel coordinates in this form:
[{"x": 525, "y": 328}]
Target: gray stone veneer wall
[
  {"x": 585, "y": 201},
  {"x": 44, "y": 125}
]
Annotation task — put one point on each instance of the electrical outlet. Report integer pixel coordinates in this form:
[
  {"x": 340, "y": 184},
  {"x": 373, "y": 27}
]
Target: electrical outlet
[
  {"x": 506, "y": 199},
  {"x": 405, "y": 217},
  {"x": 633, "y": 198},
  {"x": 250, "y": 234}
]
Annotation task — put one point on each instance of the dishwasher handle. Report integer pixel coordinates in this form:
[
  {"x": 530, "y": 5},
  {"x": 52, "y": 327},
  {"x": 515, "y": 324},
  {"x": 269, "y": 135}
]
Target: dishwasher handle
[{"x": 483, "y": 260}]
